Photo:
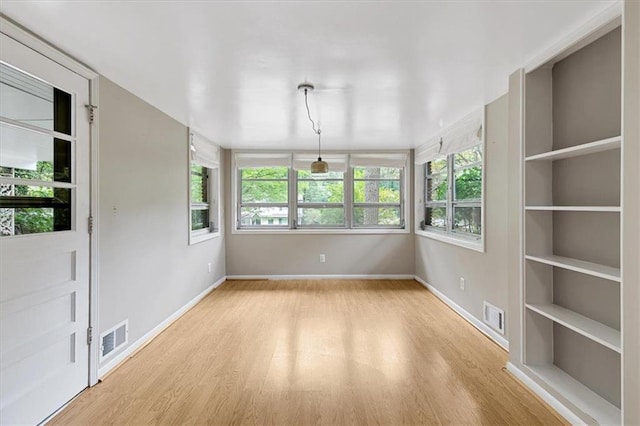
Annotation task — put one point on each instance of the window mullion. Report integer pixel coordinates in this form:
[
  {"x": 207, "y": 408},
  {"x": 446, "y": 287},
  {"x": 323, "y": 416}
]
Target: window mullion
[
  {"x": 239, "y": 198},
  {"x": 293, "y": 199},
  {"x": 348, "y": 197},
  {"x": 450, "y": 192},
  {"x": 401, "y": 187}
]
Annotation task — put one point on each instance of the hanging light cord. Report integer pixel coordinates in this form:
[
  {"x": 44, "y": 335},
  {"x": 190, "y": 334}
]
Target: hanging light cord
[{"x": 313, "y": 123}]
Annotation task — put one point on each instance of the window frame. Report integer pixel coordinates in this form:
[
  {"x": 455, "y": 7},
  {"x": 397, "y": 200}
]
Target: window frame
[
  {"x": 400, "y": 203},
  {"x": 213, "y": 177},
  {"x": 239, "y": 204},
  {"x": 318, "y": 205},
  {"x": 294, "y": 228},
  {"x": 449, "y": 235}
]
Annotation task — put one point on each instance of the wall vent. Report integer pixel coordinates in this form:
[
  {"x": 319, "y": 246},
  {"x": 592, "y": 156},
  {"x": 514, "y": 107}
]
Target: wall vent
[
  {"x": 113, "y": 338},
  {"x": 494, "y": 317}
]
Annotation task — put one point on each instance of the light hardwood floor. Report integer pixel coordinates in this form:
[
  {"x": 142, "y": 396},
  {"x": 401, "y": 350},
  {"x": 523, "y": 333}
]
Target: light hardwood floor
[{"x": 309, "y": 352}]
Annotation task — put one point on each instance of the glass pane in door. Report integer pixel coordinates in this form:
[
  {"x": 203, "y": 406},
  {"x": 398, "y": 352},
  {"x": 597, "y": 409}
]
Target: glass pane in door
[
  {"x": 31, "y": 109},
  {"x": 29, "y": 100}
]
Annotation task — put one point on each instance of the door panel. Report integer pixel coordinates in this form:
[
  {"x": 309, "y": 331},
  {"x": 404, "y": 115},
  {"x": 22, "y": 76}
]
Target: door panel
[{"x": 44, "y": 249}]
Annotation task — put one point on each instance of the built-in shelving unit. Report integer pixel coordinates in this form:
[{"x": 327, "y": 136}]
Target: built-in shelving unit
[{"x": 572, "y": 213}]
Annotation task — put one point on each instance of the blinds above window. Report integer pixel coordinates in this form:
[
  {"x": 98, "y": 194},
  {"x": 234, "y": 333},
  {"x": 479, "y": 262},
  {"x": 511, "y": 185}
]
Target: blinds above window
[
  {"x": 460, "y": 136},
  {"x": 337, "y": 162},
  {"x": 302, "y": 161},
  {"x": 245, "y": 160},
  {"x": 389, "y": 159},
  {"x": 204, "y": 152}
]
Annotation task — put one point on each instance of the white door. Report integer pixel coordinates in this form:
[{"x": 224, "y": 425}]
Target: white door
[{"x": 44, "y": 247}]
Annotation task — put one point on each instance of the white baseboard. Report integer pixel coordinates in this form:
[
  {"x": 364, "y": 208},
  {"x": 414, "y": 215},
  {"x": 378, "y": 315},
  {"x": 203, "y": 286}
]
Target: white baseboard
[
  {"x": 569, "y": 415},
  {"x": 488, "y": 331},
  {"x": 144, "y": 340},
  {"x": 324, "y": 276}
]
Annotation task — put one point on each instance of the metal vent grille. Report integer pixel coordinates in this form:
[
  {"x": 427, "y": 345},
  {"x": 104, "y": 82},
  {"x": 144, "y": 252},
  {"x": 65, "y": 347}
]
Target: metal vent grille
[
  {"x": 108, "y": 344},
  {"x": 114, "y": 338},
  {"x": 494, "y": 317}
]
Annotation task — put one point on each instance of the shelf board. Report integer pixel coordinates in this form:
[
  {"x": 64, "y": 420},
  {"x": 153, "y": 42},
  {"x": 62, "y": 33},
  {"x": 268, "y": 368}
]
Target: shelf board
[
  {"x": 589, "y": 328},
  {"x": 612, "y": 209},
  {"x": 575, "y": 151},
  {"x": 582, "y": 266},
  {"x": 604, "y": 412}
]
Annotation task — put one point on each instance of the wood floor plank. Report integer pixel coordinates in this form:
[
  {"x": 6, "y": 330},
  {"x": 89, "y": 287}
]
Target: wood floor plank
[{"x": 324, "y": 352}]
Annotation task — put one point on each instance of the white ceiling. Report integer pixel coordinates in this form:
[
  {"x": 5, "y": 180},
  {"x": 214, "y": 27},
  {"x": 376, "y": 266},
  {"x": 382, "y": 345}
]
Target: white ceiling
[{"x": 387, "y": 73}]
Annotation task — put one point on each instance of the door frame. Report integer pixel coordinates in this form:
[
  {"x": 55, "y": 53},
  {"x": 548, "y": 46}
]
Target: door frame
[{"x": 37, "y": 44}]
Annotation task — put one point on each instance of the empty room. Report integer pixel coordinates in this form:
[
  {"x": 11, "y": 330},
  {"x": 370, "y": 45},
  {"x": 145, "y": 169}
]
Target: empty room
[{"x": 319, "y": 212}]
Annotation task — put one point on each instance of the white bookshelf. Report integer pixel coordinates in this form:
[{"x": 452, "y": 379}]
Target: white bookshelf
[
  {"x": 582, "y": 266},
  {"x": 578, "y": 150},
  {"x": 594, "y": 330},
  {"x": 572, "y": 213},
  {"x": 601, "y": 410}
]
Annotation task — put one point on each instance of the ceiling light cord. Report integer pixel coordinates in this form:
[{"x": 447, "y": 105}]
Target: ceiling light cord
[{"x": 313, "y": 123}]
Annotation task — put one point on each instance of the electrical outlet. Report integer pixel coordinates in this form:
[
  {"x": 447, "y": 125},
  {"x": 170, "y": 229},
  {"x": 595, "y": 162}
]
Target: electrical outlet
[
  {"x": 463, "y": 284},
  {"x": 209, "y": 267},
  {"x": 322, "y": 258}
]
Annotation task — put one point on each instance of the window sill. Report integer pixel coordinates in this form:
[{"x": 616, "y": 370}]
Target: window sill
[
  {"x": 300, "y": 231},
  {"x": 457, "y": 241},
  {"x": 198, "y": 237}
]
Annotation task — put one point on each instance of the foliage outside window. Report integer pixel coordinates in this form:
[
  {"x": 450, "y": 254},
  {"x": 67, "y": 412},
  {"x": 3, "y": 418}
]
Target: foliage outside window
[
  {"x": 286, "y": 197},
  {"x": 453, "y": 194}
]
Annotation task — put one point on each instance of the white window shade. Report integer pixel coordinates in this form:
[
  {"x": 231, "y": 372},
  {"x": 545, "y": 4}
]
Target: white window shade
[
  {"x": 337, "y": 162},
  {"x": 246, "y": 160},
  {"x": 460, "y": 136},
  {"x": 204, "y": 152},
  {"x": 389, "y": 159}
]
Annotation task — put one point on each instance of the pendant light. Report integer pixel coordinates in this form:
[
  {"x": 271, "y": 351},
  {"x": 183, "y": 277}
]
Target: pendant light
[{"x": 318, "y": 166}]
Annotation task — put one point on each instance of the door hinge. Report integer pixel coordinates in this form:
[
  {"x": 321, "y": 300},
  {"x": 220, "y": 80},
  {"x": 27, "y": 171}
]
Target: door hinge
[
  {"x": 91, "y": 109},
  {"x": 89, "y": 335},
  {"x": 90, "y": 223}
]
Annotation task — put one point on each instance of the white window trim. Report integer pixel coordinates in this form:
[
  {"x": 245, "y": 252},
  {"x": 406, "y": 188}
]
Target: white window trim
[
  {"x": 451, "y": 237},
  {"x": 201, "y": 235},
  {"x": 405, "y": 202}
]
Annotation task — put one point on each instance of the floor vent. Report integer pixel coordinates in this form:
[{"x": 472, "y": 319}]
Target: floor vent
[
  {"x": 113, "y": 338},
  {"x": 494, "y": 317}
]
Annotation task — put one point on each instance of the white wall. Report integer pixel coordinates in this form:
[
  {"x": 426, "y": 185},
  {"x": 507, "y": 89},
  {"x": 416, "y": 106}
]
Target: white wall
[
  {"x": 442, "y": 264},
  {"x": 346, "y": 254},
  {"x": 147, "y": 270}
]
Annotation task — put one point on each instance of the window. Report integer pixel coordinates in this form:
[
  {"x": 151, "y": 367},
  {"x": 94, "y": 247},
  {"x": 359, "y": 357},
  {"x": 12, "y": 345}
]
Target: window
[
  {"x": 453, "y": 193},
  {"x": 436, "y": 193},
  {"x": 453, "y": 184},
  {"x": 199, "y": 197},
  {"x": 378, "y": 190},
  {"x": 277, "y": 191},
  {"x": 204, "y": 189},
  {"x": 467, "y": 191},
  {"x": 320, "y": 199},
  {"x": 37, "y": 184},
  {"x": 264, "y": 196}
]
